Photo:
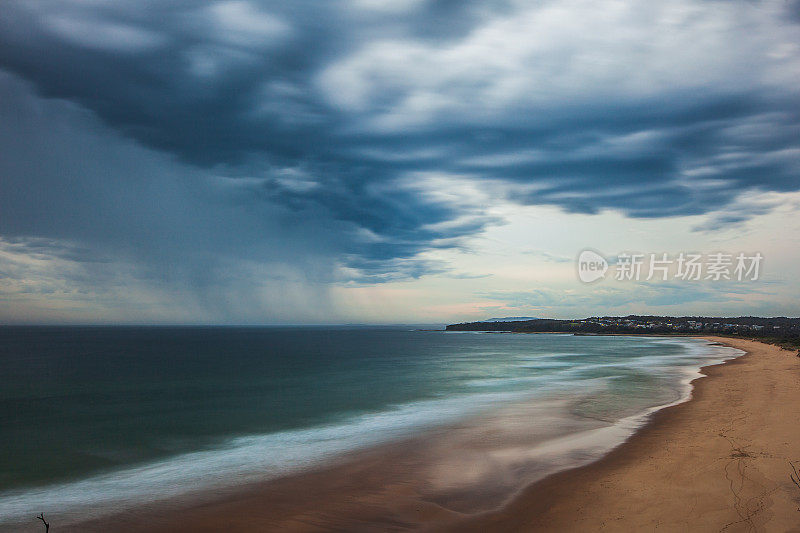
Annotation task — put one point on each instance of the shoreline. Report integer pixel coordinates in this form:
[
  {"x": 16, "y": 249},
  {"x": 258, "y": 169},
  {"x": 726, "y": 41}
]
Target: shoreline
[
  {"x": 673, "y": 476},
  {"x": 372, "y": 489}
]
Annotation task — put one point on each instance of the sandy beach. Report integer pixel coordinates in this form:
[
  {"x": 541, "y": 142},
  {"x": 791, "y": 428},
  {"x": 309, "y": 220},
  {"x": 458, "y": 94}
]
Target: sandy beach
[{"x": 717, "y": 462}]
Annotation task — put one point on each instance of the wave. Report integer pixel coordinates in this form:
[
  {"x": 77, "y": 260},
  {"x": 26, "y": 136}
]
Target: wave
[
  {"x": 252, "y": 458},
  {"x": 237, "y": 460}
]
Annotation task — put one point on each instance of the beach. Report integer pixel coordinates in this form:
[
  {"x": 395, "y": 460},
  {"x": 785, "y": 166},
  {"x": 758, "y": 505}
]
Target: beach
[
  {"x": 717, "y": 462},
  {"x": 190, "y": 417}
]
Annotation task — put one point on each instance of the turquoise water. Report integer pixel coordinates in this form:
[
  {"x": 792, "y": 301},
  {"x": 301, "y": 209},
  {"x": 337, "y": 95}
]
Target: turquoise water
[{"x": 93, "y": 417}]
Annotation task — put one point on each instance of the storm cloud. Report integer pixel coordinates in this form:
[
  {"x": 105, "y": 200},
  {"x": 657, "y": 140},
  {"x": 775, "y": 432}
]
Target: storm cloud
[{"x": 326, "y": 136}]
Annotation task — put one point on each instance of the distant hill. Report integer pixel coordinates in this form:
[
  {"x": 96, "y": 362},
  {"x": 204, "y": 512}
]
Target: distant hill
[{"x": 780, "y": 330}]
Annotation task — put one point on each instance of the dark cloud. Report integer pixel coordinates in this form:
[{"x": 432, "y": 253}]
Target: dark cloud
[
  {"x": 282, "y": 127},
  {"x": 793, "y": 10}
]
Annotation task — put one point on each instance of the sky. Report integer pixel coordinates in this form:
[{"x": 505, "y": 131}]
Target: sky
[{"x": 406, "y": 161}]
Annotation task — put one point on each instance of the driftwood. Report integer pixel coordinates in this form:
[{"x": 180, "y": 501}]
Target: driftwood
[{"x": 46, "y": 524}]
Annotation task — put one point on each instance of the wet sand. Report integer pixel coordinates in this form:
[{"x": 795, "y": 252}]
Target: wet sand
[{"x": 717, "y": 462}]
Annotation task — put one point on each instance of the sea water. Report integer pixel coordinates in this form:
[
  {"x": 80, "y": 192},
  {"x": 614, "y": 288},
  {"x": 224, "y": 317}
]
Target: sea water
[{"x": 98, "y": 418}]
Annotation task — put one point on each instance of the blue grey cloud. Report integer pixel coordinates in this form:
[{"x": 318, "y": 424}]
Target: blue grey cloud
[{"x": 258, "y": 130}]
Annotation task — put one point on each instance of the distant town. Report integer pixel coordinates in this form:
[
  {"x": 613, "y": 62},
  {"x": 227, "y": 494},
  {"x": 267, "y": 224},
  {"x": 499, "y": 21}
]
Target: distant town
[{"x": 777, "y": 330}]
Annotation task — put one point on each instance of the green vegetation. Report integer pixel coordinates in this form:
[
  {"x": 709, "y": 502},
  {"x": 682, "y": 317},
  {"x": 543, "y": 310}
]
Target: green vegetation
[{"x": 781, "y": 331}]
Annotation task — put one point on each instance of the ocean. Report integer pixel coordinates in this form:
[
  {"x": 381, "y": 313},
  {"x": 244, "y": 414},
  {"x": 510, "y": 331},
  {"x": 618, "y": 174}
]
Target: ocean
[{"x": 95, "y": 419}]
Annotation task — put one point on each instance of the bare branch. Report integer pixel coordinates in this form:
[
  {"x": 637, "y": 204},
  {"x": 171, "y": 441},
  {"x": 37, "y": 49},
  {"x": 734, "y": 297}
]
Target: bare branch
[{"x": 46, "y": 524}]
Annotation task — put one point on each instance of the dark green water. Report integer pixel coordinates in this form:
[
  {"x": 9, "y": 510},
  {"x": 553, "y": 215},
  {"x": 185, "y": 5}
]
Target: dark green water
[{"x": 89, "y": 416}]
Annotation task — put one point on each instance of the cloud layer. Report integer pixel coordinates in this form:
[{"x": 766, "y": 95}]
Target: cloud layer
[{"x": 336, "y": 140}]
